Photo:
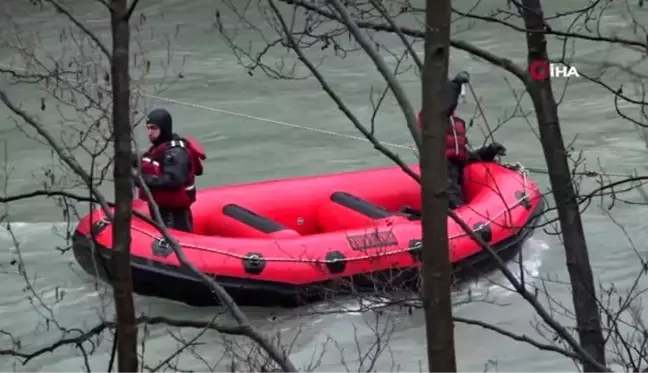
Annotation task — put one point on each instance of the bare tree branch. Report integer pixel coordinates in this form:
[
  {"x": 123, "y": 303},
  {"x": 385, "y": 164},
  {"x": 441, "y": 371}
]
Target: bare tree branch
[
  {"x": 98, "y": 329},
  {"x": 63, "y": 10},
  {"x": 218, "y": 290}
]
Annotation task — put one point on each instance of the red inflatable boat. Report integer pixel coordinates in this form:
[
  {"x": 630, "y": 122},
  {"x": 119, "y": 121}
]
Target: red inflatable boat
[{"x": 291, "y": 241}]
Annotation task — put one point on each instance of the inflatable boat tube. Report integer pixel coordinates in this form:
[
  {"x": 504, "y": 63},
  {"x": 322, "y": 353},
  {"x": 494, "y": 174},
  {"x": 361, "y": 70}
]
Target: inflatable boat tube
[{"x": 292, "y": 241}]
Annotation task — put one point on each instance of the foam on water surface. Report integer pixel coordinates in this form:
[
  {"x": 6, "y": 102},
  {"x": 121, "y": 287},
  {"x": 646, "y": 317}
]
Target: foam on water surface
[
  {"x": 497, "y": 285},
  {"x": 533, "y": 250},
  {"x": 493, "y": 285}
]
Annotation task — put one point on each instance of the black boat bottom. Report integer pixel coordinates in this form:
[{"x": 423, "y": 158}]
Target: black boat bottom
[{"x": 156, "y": 279}]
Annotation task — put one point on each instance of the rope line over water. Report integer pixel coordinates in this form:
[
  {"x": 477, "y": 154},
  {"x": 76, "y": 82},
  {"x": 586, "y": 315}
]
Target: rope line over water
[
  {"x": 535, "y": 170},
  {"x": 268, "y": 120}
]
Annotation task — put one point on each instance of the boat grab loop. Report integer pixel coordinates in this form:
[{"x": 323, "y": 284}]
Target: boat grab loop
[{"x": 522, "y": 200}]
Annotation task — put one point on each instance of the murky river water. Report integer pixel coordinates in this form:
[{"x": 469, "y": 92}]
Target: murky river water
[{"x": 260, "y": 143}]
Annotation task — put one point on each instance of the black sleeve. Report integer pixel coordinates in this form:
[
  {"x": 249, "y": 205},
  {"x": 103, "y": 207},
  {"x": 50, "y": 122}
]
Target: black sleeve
[
  {"x": 483, "y": 154},
  {"x": 176, "y": 170}
]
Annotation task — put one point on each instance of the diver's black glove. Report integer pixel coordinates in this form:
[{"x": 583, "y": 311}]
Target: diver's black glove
[
  {"x": 491, "y": 151},
  {"x": 497, "y": 149},
  {"x": 487, "y": 153}
]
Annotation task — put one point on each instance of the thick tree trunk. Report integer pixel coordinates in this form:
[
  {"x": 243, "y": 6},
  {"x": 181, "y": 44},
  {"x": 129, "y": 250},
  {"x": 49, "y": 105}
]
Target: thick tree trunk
[
  {"x": 588, "y": 319},
  {"x": 436, "y": 269},
  {"x": 122, "y": 283}
]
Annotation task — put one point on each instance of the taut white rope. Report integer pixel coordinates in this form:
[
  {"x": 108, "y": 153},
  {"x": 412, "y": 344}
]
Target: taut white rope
[
  {"x": 326, "y": 132},
  {"x": 268, "y": 120}
]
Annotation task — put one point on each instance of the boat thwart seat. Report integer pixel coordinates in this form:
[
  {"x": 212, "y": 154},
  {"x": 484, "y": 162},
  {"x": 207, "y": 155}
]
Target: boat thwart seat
[
  {"x": 343, "y": 210},
  {"x": 253, "y": 224}
]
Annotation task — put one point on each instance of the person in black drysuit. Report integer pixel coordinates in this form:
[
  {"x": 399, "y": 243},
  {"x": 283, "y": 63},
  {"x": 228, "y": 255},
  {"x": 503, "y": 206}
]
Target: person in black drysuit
[
  {"x": 457, "y": 146},
  {"x": 172, "y": 187}
]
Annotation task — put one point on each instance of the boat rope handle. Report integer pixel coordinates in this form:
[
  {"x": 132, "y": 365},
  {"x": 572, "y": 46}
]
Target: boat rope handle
[
  {"x": 301, "y": 259},
  {"x": 377, "y": 254},
  {"x": 385, "y": 253}
]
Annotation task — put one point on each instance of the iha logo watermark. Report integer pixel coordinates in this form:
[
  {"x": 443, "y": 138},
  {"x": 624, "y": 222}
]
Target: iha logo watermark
[{"x": 541, "y": 70}]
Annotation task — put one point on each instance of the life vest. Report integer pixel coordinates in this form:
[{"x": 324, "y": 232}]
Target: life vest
[
  {"x": 456, "y": 141},
  {"x": 152, "y": 164}
]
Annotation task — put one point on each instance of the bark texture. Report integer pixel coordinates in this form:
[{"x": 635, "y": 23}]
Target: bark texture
[
  {"x": 127, "y": 360},
  {"x": 588, "y": 320},
  {"x": 436, "y": 268}
]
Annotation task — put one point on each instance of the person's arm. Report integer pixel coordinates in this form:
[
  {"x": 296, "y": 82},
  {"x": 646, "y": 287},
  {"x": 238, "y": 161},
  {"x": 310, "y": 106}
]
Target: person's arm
[
  {"x": 478, "y": 155},
  {"x": 475, "y": 155},
  {"x": 486, "y": 153},
  {"x": 176, "y": 169}
]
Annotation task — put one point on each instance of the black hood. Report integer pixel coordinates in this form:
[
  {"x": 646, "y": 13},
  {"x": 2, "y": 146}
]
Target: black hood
[
  {"x": 162, "y": 119},
  {"x": 453, "y": 92}
]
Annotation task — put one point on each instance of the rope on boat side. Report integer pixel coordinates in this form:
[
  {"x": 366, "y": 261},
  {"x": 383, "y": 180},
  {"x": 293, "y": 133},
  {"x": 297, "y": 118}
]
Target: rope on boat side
[
  {"x": 378, "y": 254},
  {"x": 516, "y": 166}
]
